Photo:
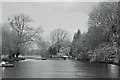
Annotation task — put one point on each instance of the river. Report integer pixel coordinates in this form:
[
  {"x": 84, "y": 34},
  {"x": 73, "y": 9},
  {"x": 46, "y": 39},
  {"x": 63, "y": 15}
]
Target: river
[{"x": 30, "y": 68}]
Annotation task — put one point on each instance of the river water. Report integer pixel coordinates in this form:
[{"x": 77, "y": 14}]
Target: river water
[{"x": 60, "y": 69}]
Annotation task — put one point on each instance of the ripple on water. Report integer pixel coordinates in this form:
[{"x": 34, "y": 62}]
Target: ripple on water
[{"x": 60, "y": 69}]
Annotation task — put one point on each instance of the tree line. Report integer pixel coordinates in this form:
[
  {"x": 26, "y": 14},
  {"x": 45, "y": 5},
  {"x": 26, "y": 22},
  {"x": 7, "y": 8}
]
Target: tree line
[
  {"x": 18, "y": 38},
  {"x": 100, "y": 43}
]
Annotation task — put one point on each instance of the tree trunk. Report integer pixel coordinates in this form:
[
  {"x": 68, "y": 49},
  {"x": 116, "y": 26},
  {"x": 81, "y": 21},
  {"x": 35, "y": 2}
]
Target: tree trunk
[{"x": 17, "y": 55}]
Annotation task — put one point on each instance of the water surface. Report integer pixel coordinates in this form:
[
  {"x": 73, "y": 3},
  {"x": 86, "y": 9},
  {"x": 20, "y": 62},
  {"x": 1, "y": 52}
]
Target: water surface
[{"x": 60, "y": 69}]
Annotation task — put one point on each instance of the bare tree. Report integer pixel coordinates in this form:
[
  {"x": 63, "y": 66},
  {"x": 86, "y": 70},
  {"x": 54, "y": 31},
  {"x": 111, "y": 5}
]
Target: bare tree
[
  {"x": 60, "y": 38},
  {"x": 20, "y": 25}
]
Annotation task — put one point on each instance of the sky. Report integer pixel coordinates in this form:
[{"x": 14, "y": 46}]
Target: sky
[{"x": 70, "y": 16}]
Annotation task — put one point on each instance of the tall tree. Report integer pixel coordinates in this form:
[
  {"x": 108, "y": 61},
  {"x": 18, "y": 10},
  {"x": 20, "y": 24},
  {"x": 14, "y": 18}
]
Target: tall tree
[
  {"x": 103, "y": 26},
  {"x": 20, "y": 25},
  {"x": 75, "y": 47}
]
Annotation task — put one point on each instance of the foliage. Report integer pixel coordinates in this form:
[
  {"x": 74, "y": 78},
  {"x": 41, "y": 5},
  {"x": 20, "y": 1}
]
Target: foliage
[
  {"x": 102, "y": 38},
  {"x": 75, "y": 47},
  {"x": 103, "y": 28}
]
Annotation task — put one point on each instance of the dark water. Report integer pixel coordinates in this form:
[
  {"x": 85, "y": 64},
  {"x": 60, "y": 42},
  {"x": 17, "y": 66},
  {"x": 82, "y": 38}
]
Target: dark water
[{"x": 60, "y": 69}]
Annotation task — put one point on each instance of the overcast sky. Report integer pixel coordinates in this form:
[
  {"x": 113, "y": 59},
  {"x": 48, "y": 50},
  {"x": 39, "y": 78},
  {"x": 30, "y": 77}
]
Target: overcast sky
[{"x": 52, "y": 15}]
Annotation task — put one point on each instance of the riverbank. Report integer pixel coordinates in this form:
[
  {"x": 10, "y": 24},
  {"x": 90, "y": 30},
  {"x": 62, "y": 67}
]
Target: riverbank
[
  {"x": 23, "y": 58},
  {"x": 115, "y": 63},
  {"x": 13, "y": 59},
  {"x": 102, "y": 62}
]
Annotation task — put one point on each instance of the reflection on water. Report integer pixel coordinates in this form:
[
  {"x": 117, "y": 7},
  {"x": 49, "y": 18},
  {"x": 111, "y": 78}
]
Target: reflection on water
[
  {"x": 113, "y": 69},
  {"x": 60, "y": 69},
  {"x": 1, "y": 72}
]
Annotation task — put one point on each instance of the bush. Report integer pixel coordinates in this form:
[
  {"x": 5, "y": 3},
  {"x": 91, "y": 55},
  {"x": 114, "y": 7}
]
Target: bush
[{"x": 106, "y": 54}]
